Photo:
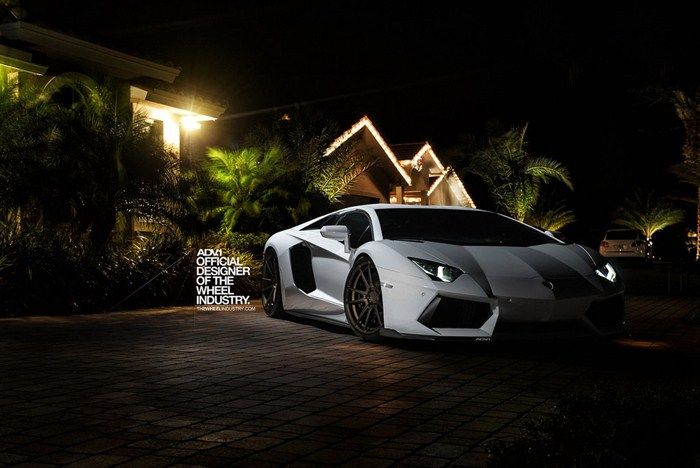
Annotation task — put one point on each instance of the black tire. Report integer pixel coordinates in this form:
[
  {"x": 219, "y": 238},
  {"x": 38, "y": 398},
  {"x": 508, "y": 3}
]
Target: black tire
[
  {"x": 271, "y": 289},
  {"x": 362, "y": 297}
]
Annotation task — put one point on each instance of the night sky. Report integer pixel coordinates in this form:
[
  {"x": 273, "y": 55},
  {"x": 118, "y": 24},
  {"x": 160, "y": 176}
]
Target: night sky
[{"x": 432, "y": 71}]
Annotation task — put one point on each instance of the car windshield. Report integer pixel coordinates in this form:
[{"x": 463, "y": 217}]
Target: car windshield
[
  {"x": 621, "y": 235},
  {"x": 460, "y": 227}
]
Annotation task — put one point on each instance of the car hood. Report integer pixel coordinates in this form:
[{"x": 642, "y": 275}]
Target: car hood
[{"x": 512, "y": 270}]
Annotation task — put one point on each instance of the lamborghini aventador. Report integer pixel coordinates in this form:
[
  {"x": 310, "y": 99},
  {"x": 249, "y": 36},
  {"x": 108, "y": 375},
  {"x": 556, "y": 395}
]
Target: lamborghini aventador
[{"x": 439, "y": 272}]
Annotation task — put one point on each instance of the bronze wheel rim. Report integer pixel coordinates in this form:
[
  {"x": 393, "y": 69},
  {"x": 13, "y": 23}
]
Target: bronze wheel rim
[
  {"x": 364, "y": 299},
  {"x": 270, "y": 283}
]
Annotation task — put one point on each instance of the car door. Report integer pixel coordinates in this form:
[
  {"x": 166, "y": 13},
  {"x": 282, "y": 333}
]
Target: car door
[
  {"x": 331, "y": 263},
  {"x": 333, "y": 269}
]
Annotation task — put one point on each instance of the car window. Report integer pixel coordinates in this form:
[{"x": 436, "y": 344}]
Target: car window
[
  {"x": 459, "y": 227},
  {"x": 325, "y": 221},
  {"x": 359, "y": 226}
]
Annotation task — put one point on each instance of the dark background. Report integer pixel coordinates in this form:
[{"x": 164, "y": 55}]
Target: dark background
[{"x": 433, "y": 71}]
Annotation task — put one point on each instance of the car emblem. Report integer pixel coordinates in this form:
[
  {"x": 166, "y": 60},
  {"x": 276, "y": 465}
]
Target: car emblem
[{"x": 548, "y": 284}]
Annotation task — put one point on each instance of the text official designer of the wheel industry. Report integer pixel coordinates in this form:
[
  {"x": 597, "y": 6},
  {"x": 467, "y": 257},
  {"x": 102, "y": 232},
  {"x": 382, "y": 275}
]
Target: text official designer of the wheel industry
[{"x": 215, "y": 266}]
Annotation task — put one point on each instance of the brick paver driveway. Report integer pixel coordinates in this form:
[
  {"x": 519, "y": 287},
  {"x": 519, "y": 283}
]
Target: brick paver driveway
[{"x": 168, "y": 386}]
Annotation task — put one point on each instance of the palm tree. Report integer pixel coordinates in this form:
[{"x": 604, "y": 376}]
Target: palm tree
[
  {"x": 70, "y": 155},
  {"x": 550, "y": 218},
  {"x": 304, "y": 137},
  {"x": 514, "y": 175},
  {"x": 246, "y": 183},
  {"x": 648, "y": 214},
  {"x": 687, "y": 109},
  {"x": 28, "y": 135}
]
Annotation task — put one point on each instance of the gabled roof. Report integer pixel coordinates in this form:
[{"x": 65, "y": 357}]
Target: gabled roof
[
  {"x": 366, "y": 124},
  {"x": 451, "y": 178},
  {"x": 404, "y": 156},
  {"x": 405, "y": 151},
  {"x": 410, "y": 153}
]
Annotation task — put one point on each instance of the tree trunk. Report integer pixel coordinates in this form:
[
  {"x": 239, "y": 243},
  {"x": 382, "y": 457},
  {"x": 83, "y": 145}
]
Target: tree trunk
[{"x": 697, "y": 229}]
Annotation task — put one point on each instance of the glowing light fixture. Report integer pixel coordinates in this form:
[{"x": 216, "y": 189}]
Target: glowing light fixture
[{"x": 190, "y": 123}]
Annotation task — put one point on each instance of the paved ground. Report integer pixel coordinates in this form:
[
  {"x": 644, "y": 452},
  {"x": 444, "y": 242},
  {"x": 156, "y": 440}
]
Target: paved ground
[{"x": 168, "y": 386}]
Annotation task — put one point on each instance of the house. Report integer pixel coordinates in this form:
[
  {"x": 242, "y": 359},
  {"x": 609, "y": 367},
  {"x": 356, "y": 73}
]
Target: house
[
  {"x": 409, "y": 173},
  {"x": 32, "y": 55}
]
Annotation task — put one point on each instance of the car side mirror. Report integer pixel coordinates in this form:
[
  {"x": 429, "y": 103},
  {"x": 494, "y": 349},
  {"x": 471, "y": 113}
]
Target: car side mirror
[{"x": 339, "y": 233}]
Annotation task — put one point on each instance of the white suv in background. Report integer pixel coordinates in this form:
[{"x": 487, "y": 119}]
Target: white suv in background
[{"x": 623, "y": 243}]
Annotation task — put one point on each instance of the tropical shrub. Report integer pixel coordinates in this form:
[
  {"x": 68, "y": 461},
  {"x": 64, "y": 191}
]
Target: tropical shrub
[
  {"x": 513, "y": 174},
  {"x": 304, "y": 138},
  {"x": 49, "y": 272},
  {"x": 96, "y": 161},
  {"x": 246, "y": 183},
  {"x": 252, "y": 242}
]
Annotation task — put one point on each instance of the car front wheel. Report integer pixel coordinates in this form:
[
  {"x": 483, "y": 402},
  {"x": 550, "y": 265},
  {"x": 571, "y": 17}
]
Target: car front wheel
[
  {"x": 363, "y": 299},
  {"x": 271, "y": 286}
]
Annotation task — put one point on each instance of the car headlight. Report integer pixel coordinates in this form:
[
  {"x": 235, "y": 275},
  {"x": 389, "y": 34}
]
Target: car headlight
[
  {"x": 607, "y": 272},
  {"x": 437, "y": 271}
]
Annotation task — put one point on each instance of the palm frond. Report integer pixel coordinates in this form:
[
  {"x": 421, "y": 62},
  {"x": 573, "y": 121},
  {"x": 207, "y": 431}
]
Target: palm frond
[
  {"x": 551, "y": 219},
  {"x": 513, "y": 175},
  {"x": 647, "y": 213}
]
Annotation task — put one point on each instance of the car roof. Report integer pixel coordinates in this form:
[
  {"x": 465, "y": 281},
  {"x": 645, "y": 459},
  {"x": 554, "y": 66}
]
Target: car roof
[{"x": 375, "y": 206}]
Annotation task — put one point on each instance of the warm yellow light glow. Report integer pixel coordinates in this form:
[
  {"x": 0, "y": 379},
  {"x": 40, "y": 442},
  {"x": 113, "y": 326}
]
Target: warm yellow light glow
[
  {"x": 190, "y": 123},
  {"x": 407, "y": 200},
  {"x": 13, "y": 81},
  {"x": 452, "y": 177},
  {"x": 171, "y": 134},
  {"x": 643, "y": 344},
  {"x": 465, "y": 194},
  {"x": 412, "y": 200},
  {"x": 426, "y": 148},
  {"x": 436, "y": 183}
]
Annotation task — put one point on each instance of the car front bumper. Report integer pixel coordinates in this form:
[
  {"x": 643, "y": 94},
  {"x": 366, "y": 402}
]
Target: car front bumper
[{"x": 421, "y": 308}]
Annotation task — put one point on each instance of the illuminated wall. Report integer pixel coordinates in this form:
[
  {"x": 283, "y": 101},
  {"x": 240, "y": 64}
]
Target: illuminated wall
[{"x": 176, "y": 122}]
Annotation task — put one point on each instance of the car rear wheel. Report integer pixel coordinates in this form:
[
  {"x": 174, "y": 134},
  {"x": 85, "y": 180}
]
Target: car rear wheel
[
  {"x": 271, "y": 286},
  {"x": 363, "y": 299}
]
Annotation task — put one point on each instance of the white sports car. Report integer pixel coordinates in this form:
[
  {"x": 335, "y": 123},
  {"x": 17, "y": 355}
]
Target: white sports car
[{"x": 438, "y": 272}]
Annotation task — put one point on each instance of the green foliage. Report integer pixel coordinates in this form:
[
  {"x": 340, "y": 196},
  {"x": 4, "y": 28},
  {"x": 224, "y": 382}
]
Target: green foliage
[
  {"x": 313, "y": 181},
  {"x": 336, "y": 174},
  {"x": 643, "y": 427},
  {"x": 514, "y": 175},
  {"x": 687, "y": 109},
  {"x": 72, "y": 158},
  {"x": 246, "y": 183},
  {"x": 550, "y": 218},
  {"x": 647, "y": 213},
  {"x": 50, "y": 272},
  {"x": 252, "y": 242}
]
